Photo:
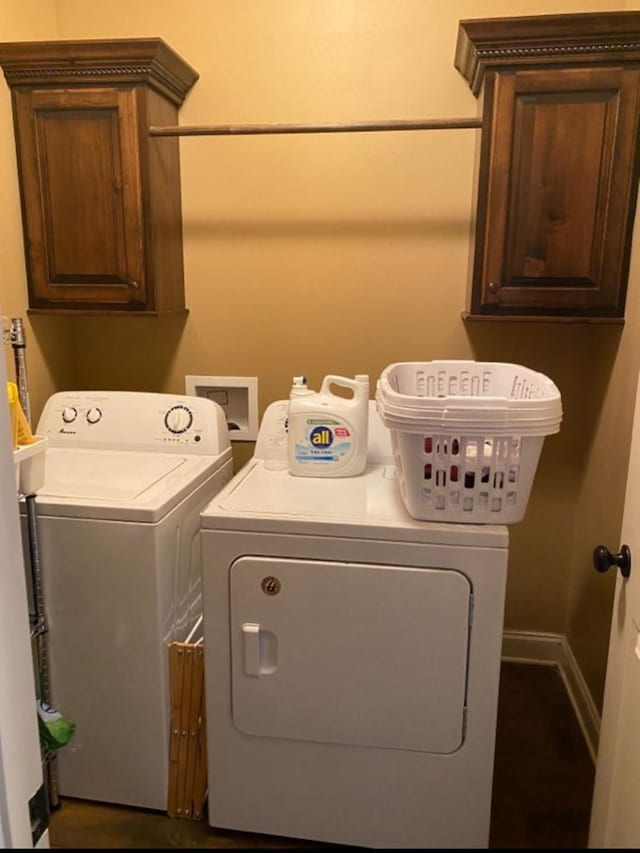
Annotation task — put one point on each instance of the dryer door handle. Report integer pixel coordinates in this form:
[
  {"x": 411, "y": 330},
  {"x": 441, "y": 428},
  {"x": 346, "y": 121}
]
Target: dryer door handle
[
  {"x": 251, "y": 641},
  {"x": 260, "y": 650}
]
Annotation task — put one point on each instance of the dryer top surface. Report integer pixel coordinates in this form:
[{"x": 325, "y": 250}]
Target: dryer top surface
[{"x": 262, "y": 499}]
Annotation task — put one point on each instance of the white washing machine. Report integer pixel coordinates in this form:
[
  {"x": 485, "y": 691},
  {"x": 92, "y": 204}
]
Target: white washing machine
[
  {"x": 352, "y": 657},
  {"x": 127, "y": 475}
]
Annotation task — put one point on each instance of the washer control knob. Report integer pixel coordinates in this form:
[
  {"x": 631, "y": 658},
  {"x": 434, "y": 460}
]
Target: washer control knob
[
  {"x": 178, "y": 419},
  {"x": 93, "y": 415},
  {"x": 69, "y": 414}
]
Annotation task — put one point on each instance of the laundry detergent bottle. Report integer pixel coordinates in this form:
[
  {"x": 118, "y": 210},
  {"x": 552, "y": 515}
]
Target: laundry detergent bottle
[{"x": 327, "y": 432}]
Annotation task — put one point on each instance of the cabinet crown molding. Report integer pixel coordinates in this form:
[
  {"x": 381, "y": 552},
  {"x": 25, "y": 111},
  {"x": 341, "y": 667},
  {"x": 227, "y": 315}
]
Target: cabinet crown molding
[
  {"x": 78, "y": 63},
  {"x": 488, "y": 44}
]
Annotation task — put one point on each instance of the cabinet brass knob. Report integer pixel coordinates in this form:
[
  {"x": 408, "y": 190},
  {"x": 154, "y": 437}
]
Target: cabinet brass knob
[
  {"x": 133, "y": 284},
  {"x": 493, "y": 287}
]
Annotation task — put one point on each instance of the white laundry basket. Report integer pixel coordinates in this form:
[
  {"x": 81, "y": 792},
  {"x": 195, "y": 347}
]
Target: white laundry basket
[{"x": 467, "y": 436}]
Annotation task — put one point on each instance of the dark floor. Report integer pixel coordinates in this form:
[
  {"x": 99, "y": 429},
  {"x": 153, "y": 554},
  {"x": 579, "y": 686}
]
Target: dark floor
[{"x": 542, "y": 786}]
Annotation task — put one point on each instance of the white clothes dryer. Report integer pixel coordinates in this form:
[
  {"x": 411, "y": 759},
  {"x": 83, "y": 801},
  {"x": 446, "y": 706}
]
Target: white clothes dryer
[
  {"x": 352, "y": 657},
  {"x": 127, "y": 475}
]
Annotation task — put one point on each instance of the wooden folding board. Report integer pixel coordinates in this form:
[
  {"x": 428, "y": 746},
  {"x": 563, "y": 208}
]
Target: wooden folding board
[{"x": 187, "y": 744}]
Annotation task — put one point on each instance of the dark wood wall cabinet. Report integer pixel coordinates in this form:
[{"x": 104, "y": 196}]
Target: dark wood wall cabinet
[
  {"x": 101, "y": 203},
  {"x": 558, "y": 168}
]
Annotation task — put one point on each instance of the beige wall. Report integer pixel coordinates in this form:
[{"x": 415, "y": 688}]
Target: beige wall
[
  {"x": 601, "y": 497},
  {"x": 344, "y": 253},
  {"x": 47, "y": 363}
]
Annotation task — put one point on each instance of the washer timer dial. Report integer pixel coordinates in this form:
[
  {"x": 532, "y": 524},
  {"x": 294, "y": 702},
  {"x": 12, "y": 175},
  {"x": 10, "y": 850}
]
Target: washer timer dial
[{"x": 178, "y": 419}]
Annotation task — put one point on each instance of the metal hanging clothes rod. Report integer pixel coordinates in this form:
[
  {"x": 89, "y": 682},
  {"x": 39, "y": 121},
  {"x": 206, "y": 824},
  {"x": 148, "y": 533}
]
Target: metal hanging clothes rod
[{"x": 355, "y": 127}]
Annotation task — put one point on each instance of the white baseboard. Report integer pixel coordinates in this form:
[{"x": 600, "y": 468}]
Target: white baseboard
[{"x": 554, "y": 650}]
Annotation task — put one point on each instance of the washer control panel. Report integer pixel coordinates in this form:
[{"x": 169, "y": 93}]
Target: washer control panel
[{"x": 127, "y": 420}]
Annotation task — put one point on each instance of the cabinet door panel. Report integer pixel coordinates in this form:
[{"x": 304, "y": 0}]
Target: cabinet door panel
[
  {"x": 555, "y": 192},
  {"x": 79, "y": 164},
  {"x": 558, "y": 190}
]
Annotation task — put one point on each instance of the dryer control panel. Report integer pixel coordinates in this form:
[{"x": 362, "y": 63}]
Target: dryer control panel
[{"x": 129, "y": 420}]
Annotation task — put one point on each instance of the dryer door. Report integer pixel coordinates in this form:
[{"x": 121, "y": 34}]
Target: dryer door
[{"x": 368, "y": 655}]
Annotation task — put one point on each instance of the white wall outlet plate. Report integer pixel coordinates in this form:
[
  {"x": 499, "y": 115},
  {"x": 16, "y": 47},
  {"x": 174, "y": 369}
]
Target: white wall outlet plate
[{"x": 238, "y": 397}]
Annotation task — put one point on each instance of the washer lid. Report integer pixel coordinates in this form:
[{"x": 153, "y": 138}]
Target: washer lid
[
  {"x": 105, "y": 475},
  {"x": 119, "y": 485},
  {"x": 369, "y": 506}
]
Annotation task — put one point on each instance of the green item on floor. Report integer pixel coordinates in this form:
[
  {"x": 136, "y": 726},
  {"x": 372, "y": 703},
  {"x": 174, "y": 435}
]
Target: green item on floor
[{"x": 55, "y": 729}]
